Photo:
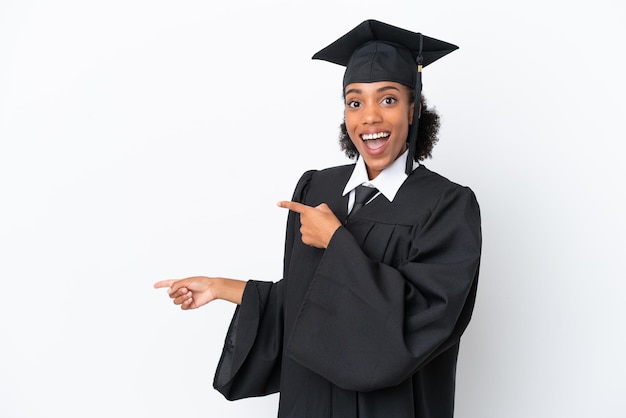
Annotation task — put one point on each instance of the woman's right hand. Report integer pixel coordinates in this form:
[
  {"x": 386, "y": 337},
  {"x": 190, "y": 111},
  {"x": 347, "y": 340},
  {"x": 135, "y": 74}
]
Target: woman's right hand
[{"x": 193, "y": 292}]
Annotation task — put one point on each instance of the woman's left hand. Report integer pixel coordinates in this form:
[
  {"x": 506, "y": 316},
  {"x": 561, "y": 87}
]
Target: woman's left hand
[{"x": 318, "y": 224}]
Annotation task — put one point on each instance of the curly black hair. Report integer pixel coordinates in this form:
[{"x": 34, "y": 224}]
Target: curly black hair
[{"x": 426, "y": 134}]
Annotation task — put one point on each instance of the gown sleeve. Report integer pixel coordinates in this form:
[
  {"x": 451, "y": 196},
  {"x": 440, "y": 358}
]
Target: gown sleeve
[
  {"x": 365, "y": 325},
  {"x": 250, "y": 364}
]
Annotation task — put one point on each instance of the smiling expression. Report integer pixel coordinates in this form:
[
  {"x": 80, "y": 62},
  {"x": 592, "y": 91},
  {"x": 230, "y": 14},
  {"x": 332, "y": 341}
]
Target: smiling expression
[{"x": 378, "y": 116}]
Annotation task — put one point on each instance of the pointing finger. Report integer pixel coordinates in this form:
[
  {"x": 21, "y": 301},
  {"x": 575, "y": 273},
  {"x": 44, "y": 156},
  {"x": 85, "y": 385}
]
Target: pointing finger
[
  {"x": 294, "y": 206},
  {"x": 164, "y": 283}
]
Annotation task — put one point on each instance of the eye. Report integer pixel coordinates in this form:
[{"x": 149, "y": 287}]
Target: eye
[
  {"x": 389, "y": 100},
  {"x": 353, "y": 104}
]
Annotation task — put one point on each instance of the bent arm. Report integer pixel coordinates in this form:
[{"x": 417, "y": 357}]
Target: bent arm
[{"x": 373, "y": 325}]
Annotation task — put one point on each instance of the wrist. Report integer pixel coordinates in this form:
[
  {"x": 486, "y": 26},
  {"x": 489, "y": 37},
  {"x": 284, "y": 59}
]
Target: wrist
[
  {"x": 230, "y": 290},
  {"x": 332, "y": 234}
]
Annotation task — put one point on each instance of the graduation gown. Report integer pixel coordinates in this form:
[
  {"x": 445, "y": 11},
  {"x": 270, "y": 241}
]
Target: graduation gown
[{"x": 370, "y": 326}]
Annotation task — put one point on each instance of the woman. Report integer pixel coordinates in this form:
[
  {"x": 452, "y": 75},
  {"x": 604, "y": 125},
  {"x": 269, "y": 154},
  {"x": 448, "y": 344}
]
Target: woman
[{"x": 375, "y": 295}]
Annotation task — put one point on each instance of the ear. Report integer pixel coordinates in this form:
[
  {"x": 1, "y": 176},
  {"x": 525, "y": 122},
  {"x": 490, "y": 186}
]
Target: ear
[{"x": 411, "y": 110}]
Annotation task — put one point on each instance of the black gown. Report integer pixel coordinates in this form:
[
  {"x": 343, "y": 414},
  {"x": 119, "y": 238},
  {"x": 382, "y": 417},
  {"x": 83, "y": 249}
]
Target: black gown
[{"x": 369, "y": 327}]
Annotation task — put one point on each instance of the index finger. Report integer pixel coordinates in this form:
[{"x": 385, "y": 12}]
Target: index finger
[
  {"x": 294, "y": 206},
  {"x": 164, "y": 283}
]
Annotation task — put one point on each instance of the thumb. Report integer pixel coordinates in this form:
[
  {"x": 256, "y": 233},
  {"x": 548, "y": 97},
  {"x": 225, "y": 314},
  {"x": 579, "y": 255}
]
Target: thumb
[{"x": 324, "y": 208}]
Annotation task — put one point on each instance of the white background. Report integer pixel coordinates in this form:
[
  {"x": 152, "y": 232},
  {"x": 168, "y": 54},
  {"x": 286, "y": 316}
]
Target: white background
[{"x": 129, "y": 127}]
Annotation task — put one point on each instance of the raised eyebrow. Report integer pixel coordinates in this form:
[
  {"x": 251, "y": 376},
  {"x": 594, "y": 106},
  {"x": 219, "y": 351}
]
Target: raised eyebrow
[
  {"x": 385, "y": 88},
  {"x": 380, "y": 90},
  {"x": 357, "y": 91}
]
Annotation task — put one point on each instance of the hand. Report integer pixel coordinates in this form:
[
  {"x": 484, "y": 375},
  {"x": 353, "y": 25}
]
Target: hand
[
  {"x": 318, "y": 224},
  {"x": 190, "y": 293},
  {"x": 193, "y": 292}
]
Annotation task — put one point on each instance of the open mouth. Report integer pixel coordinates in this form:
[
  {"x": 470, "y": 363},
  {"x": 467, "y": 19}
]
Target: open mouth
[{"x": 376, "y": 140}]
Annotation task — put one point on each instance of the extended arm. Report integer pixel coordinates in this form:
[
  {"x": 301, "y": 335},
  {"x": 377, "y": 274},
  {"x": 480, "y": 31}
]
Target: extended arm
[{"x": 193, "y": 292}]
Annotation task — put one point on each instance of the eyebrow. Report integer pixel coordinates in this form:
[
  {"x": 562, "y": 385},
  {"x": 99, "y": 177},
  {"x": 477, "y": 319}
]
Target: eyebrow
[{"x": 380, "y": 90}]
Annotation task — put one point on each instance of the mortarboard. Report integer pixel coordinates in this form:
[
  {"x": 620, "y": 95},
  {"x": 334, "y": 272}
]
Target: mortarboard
[{"x": 376, "y": 51}]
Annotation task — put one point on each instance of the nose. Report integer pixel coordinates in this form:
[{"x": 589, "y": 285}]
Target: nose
[{"x": 371, "y": 114}]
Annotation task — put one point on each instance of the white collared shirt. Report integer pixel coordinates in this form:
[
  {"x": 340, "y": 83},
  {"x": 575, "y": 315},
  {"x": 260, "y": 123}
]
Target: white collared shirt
[{"x": 387, "y": 182}]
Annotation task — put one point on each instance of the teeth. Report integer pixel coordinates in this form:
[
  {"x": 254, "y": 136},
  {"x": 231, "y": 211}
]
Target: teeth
[{"x": 378, "y": 135}]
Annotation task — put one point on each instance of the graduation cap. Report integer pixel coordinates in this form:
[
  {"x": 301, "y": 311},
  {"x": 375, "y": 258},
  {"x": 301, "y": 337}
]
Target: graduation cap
[{"x": 376, "y": 51}]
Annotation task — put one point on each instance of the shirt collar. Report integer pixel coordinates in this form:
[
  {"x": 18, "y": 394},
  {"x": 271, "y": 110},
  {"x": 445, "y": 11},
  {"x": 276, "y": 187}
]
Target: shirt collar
[{"x": 389, "y": 180}]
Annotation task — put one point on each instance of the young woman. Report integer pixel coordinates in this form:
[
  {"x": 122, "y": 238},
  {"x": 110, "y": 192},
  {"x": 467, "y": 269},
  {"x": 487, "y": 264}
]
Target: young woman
[{"x": 375, "y": 295}]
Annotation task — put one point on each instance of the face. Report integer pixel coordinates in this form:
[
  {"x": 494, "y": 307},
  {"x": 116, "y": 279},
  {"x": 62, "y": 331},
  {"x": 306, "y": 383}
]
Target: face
[{"x": 378, "y": 116}]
